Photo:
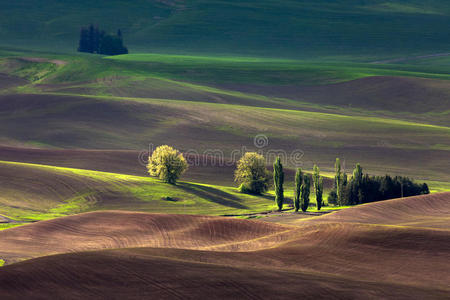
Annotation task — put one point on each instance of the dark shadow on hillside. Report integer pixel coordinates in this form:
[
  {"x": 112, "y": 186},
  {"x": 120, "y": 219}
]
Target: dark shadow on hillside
[
  {"x": 266, "y": 196},
  {"x": 215, "y": 195}
]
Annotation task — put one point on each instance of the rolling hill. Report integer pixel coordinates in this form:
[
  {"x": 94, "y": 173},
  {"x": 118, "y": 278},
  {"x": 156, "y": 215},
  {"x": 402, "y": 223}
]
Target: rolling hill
[
  {"x": 296, "y": 28},
  {"x": 367, "y": 81},
  {"x": 380, "y": 144},
  {"x": 32, "y": 192},
  {"x": 332, "y": 254},
  {"x": 367, "y": 113}
]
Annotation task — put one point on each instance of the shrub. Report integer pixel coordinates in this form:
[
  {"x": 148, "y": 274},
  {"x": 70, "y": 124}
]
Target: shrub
[
  {"x": 252, "y": 174},
  {"x": 167, "y": 163},
  {"x": 332, "y": 197}
]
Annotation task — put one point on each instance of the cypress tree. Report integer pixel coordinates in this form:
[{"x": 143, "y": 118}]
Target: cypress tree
[
  {"x": 305, "y": 190},
  {"x": 357, "y": 183},
  {"x": 297, "y": 191},
  {"x": 338, "y": 180},
  {"x": 425, "y": 190},
  {"x": 278, "y": 179},
  {"x": 344, "y": 189},
  {"x": 318, "y": 189},
  {"x": 91, "y": 39},
  {"x": 83, "y": 45},
  {"x": 96, "y": 40},
  {"x": 319, "y": 195}
]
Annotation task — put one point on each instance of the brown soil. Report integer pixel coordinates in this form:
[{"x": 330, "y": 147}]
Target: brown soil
[
  {"x": 397, "y": 94},
  {"x": 131, "y": 162},
  {"x": 41, "y": 59},
  {"x": 120, "y": 229},
  {"x": 364, "y": 252},
  {"x": 9, "y": 81},
  {"x": 131, "y": 274},
  {"x": 79, "y": 122}
]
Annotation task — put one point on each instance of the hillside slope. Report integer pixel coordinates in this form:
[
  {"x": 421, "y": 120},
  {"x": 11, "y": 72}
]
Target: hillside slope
[
  {"x": 121, "y": 229},
  {"x": 379, "y": 144},
  {"x": 131, "y": 275},
  {"x": 192, "y": 254},
  {"x": 31, "y": 192},
  {"x": 294, "y": 28}
]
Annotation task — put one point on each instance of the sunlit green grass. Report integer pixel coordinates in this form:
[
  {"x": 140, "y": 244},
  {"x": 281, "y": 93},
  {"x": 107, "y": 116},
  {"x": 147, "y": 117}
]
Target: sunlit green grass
[
  {"x": 137, "y": 193},
  {"x": 142, "y": 194},
  {"x": 215, "y": 69},
  {"x": 212, "y": 69},
  {"x": 4, "y": 226}
]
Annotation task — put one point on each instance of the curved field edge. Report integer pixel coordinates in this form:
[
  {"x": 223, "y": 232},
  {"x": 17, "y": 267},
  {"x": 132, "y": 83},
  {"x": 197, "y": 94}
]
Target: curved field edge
[
  {"x": 33, "y": 192},
  {"x": 170, "y": 278},
  {"x": 343, "y": 250},
  {"x": 100, "y": 122},
  {"x": 232, "y": 80},
  {"x": 37, "y": 192}
]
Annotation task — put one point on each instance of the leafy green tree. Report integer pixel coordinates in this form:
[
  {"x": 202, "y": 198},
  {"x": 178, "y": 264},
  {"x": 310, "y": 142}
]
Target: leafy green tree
[
  {"x": 305, "y": 190},
  {"x": 278, "y": 179},
  {"x": 298, "y": 186},
  {"x": 252, "y": 174},
  {"x": 318, "y": 186},
  {"x": 167, "y": 163}
]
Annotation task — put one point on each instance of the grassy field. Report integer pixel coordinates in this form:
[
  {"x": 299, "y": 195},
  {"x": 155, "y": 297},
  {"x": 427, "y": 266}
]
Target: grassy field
[
  {"x": 201, "y": 103},
  {"x": 38, "y": 192},
  {"x": 212, "y": 69},
  {"x": 294, "y": 28},
  {"x": 32, "y": 192},
  {"x": 308, "y": 81},
  {"x": 221, "y": 103},
  {"x": 395, "y": 90},
  {"x": 380, "y": 144}
]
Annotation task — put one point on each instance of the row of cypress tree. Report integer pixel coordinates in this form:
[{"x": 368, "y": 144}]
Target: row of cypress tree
[
  {"x": 362, "y": 188},
  {"x": 94, "y": 40},
  {"x": 302, "y": 187}
]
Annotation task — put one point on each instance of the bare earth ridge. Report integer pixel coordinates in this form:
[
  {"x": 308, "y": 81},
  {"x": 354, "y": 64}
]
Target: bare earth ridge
[{"x": 391, "y": 249}]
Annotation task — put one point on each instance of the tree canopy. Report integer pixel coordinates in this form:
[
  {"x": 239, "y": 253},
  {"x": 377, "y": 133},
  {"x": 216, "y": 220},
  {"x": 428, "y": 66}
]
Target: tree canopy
[
  {"x": 94, "y": 40},
  {"x": 252, "y": 174},
  {"x": 167, "y": 163}
]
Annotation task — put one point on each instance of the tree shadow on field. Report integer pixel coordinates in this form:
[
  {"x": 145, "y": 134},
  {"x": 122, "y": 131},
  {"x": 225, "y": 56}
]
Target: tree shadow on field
[
  {"x": 215, "y": 195},
  {"x": 266, "y": 196}
]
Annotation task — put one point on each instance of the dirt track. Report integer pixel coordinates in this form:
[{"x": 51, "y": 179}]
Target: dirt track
[{"x": 364, "y": 252}]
